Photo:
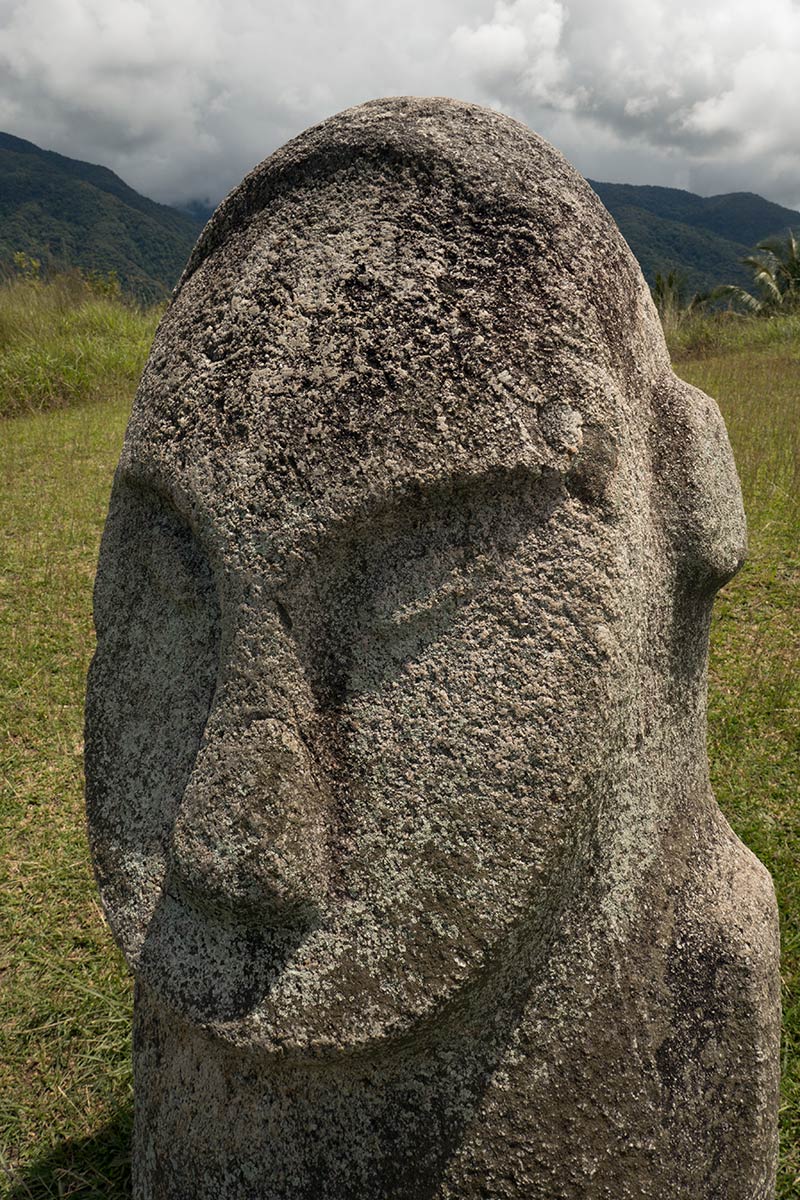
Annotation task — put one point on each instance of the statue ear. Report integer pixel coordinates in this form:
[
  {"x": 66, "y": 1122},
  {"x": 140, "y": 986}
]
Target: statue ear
[
  {"x": 699, "y": 498},
  {"x": 591, "y": 474}
]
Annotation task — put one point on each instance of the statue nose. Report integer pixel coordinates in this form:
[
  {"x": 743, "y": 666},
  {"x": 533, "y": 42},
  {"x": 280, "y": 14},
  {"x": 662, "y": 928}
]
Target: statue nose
[{"x": 251, "y": 831}]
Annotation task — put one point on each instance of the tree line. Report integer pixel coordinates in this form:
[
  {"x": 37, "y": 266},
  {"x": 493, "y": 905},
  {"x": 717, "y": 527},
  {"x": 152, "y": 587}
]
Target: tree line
[{"x": 775, "y": 266}]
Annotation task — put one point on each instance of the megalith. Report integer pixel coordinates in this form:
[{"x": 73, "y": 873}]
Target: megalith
[{"x": 397, "y": 780}]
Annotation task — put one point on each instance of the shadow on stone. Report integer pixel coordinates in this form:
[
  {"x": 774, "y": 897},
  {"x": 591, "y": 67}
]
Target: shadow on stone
[{"x": 208, "y": 964}]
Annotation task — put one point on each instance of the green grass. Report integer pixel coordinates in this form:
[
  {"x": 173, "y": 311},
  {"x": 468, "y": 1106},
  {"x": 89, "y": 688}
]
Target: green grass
[
  {"x": 62, "y": 343},
  {"x": 754, "y": 677},
  {"x": 65, "y": 996}
]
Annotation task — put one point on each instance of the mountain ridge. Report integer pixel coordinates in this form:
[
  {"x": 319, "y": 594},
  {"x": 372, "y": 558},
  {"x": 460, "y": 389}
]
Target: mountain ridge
[
  {"x": 71, "y": 213},
  {"x": 701, "y": 238}
]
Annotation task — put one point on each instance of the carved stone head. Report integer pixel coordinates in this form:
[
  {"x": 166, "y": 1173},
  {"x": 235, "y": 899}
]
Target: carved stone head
[{"x": 403, "y": 595}]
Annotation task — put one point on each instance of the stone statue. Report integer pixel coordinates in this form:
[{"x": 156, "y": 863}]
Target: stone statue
[{"x": 396, "y": 769}]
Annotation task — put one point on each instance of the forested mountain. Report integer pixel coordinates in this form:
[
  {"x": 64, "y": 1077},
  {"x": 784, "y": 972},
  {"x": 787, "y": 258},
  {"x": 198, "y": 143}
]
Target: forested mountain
[
  {"x": 70, "y": 213},
  {"x": 703, "y": 238}
]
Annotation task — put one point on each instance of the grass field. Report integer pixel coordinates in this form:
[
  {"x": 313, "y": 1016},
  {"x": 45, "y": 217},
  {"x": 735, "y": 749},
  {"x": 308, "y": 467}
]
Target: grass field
[{"x": 65, "y": 998}]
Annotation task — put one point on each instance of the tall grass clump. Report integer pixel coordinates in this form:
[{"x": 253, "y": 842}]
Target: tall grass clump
[
  {"x": 702, "y": 333},
  {"x": 68, "y": 340}
]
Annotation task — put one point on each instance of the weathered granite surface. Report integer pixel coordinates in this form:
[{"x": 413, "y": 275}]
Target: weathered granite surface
[{"x": 396, "y": 768}]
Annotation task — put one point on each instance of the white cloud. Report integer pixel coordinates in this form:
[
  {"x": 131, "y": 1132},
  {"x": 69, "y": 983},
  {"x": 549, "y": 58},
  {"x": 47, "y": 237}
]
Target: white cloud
[
  {"x": 517, "y": 53},
  {"x": 716, "y": 82},
  {"x": 182, "y": 97},
  {"x": 491, "y": 50}
]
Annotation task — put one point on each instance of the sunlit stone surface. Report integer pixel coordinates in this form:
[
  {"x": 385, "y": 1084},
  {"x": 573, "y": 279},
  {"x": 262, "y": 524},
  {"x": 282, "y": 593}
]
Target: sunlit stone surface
[{"x": 396, "y": 767}]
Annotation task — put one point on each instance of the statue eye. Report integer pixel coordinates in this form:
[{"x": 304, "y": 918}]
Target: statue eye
[
  {"x": 429, "y": 606},
  {"x": 365, "y": 613},
  {"x": 350, "y": 638},
  {"x": 398, "y": 625},
  {"x": 381, "y": 593}
]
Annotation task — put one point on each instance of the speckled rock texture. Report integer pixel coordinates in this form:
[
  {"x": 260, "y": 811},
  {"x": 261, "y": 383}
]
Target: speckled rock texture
[{"x": 396, "y": 767}]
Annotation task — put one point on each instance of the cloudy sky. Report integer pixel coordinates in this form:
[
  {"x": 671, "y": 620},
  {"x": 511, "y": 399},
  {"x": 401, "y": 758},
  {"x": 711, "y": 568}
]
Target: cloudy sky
[{"x": 181, "y": 97}]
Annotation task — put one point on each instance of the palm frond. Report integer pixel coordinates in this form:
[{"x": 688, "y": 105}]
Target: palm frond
[{"x": 738, "y": 295}]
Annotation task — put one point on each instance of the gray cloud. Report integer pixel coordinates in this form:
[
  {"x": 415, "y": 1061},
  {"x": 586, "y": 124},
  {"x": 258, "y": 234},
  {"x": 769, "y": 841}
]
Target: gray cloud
[{"x": 182, "y": 98}]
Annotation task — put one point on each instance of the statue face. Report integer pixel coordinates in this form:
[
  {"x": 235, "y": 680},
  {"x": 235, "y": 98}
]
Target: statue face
[
  {"x": 333, "y": 779},
  {"x": 369, "y": 680},
  {"x": 338, "y": 782}
]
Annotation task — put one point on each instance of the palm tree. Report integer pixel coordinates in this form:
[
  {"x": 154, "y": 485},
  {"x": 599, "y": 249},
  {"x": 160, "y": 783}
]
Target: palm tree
[
  {"x": 775, "y": 264},
  {"x": 669, "y": 296}
]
